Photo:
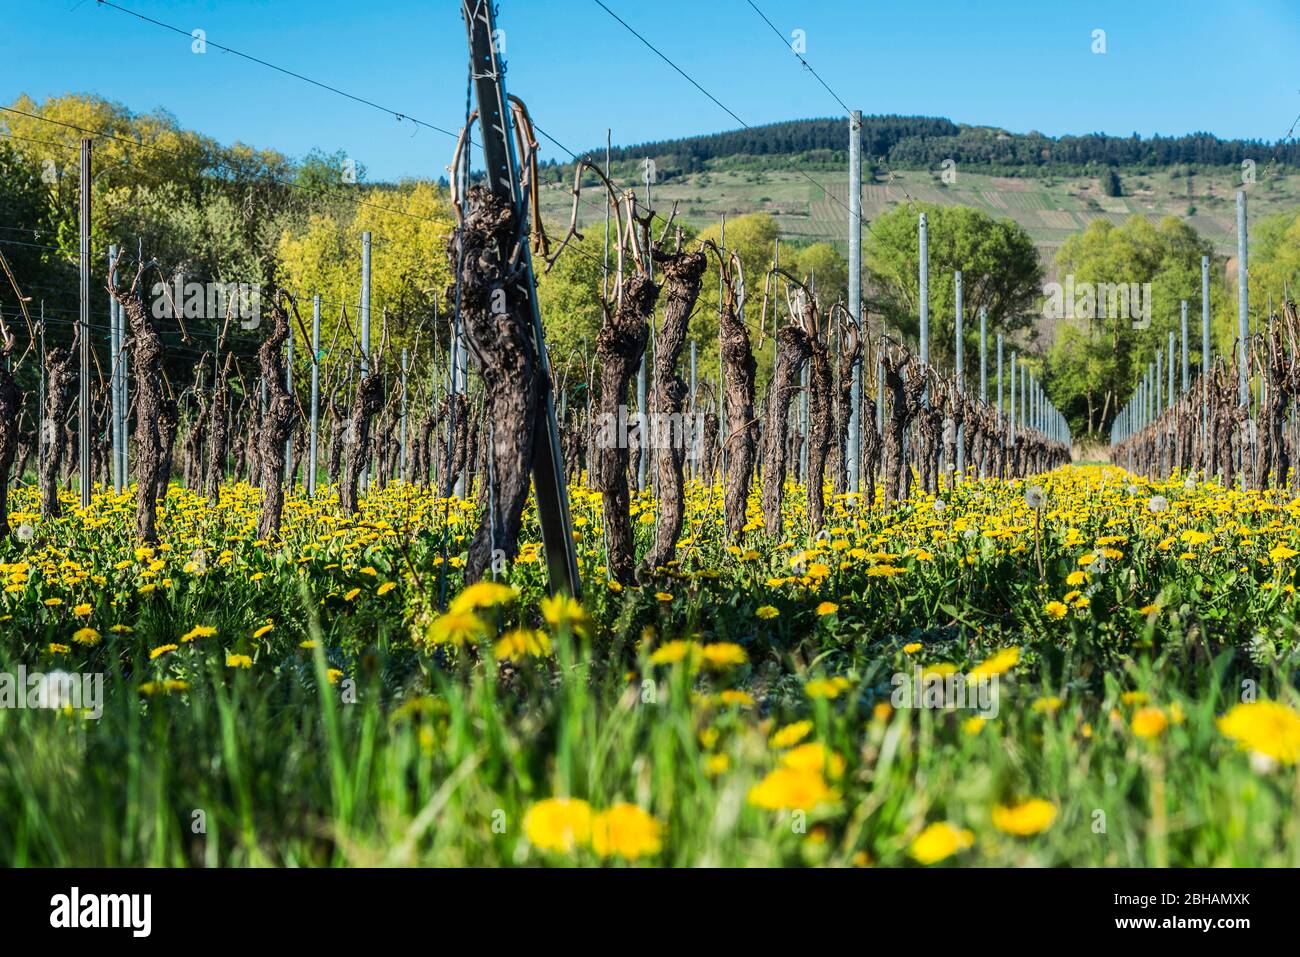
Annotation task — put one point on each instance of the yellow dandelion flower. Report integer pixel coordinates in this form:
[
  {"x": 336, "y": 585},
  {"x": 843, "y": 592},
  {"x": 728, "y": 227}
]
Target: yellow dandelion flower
[
  {"x": 1023, "y": 820},
  {"x": 520, "y": 643},
  {"x": 791, "y": 734},
  {"x": 86, "y": 636},
  {"x": 1149, "y": 722},
  {"x": 828, "y": 688},
  {"x": 939, "y": 841},
  {"x": 722, "y": 655},
  {"x": 1269, "y": 728},
  {"x": 455, "y": 628},
  {"x": 558, "y": 824},
  {"x": 1001, "y": 663},
  {"x": 625, "y": 831},
  {"x": 791, "y": 789}
]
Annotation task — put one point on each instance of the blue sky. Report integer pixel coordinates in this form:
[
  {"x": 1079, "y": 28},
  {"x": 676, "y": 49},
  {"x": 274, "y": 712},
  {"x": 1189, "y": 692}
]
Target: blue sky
[{"x": 1169, "y": 67}]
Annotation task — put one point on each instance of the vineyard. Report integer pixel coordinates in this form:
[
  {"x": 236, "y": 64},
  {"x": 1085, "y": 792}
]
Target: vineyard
[{"x": 754, "y": 577}]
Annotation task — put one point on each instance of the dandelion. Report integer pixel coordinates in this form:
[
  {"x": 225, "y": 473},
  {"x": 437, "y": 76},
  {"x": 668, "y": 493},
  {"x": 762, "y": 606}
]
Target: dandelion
[
  {"x": 939, "y": 841},
  {"x": 625, "y": 831},
  {"x": 57, "y": 648},
  {"x": 558, "y": 824},
  {"x": 791, "y": 789},
  {"x": 86, "y": 636},
  {"x": 663, "y": 596},
  {"x": 455, "y": 628},
  {"x": 1001, "y": 663},
  {"x": 166, "y": 686},
  {"x": 385, "y": 588},
  {"x": 940, "y": 506},
  {"x": 1024, "y": 820},
  {"x": 239, "y": 661},
  {"x": 264, "y": 630},
  {"x": 722, "y": 655},
  {"x": 814, "y": 756},
  {"x": 675, "y": 652},
  {"x": 24, "y": 533},
  {"x": 826, "y": 687},
  {"x": 1056, "y": 609},
  {"x": 741, "y": 699},
  {"x": 1269, "y": 728},
  {"x": 198, "y": 631},
  {"x": 520, "y": 643},
  {"x": 790, "y": 735},
  {"x": 1035, "y": 497},
  {"x": 484, "y": 594},
  {"x": 1157, "y": 504},
  {"x": 767, "y": 612},
  {"x": 82, "y": 611},
  {"x": 562, "y": 611},
  {"x": 161, "y": 650},
  {"x": 1048, "y": 704},
  {"x": 826, "y": 608},
  {"x": 1149, "y": 722}
]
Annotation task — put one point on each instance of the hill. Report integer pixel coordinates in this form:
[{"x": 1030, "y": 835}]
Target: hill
[{"x": 797, "y": 171}]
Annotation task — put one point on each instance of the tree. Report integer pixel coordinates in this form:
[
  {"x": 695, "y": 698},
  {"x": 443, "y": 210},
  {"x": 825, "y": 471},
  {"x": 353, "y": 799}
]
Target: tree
[
  {"x": 1101, "y": 348},
  {"x": 568, "y": 295},
  {"x": 999, "y": 265},
  {"x": 823, "y": 266},
  {"x": 409, "y": 226}
]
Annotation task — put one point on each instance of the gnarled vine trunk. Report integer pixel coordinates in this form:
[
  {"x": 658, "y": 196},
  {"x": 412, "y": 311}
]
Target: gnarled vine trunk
[
  {"x": 792, "y": 350},
  {"x": 11, "y": 401},
  {"x": 619, "y": 348},
  {"x": 276, "y": 423},
  {"x": 683, "y": 273},
  {"x": 151, "y": 412},
  {"x": 59, "y": 376},
  {"x": 496, "y": 319}
]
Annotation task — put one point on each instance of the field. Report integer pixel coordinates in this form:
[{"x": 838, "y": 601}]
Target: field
[
  {"x": 337, "y": 696},
  {"x": 1050, "y": 208}
]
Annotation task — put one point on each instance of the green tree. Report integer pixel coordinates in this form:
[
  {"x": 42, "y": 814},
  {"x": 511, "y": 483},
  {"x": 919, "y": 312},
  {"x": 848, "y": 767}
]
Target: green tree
[
  {"x": 999, "y": 265},
  {"x": 1099, "y": 353},
  {"x": 827, "y": 269}
]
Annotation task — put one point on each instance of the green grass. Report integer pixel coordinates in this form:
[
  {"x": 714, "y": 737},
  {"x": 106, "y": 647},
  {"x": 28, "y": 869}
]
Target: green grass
[{"x": 353, "y": 741}]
